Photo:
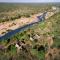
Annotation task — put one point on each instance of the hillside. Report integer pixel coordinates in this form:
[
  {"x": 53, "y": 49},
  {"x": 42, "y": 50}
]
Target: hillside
[{"x": 40, "y": 42}]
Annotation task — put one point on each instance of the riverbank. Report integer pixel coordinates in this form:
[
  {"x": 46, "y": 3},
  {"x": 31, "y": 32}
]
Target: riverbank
[{"x": 12, "y": 25}]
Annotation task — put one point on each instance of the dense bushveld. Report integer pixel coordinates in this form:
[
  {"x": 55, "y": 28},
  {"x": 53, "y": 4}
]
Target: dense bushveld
[
  {"x": 12, "y": 11},
  {"x": 35, "y": 48}
]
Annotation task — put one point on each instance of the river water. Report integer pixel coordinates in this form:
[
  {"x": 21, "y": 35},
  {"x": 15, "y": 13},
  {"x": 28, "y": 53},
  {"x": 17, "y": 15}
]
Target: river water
[{"x": 13, "y": 32}]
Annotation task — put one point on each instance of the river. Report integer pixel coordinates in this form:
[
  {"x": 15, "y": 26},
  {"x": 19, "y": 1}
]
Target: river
[{"x": 13, "y": 32}]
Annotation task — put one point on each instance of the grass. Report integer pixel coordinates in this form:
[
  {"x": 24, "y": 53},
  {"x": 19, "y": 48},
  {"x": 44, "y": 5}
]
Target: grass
[
  {"x": 55, "y": 20},
  {"x": 39, "y": 54},
  {"x": 42, "y": 25}
]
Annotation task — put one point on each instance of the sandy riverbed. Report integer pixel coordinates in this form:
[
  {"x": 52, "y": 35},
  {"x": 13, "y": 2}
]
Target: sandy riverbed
[{"x": 12, "y": 25}]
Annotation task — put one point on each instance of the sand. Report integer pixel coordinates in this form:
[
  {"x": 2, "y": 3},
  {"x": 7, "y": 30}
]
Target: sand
[{"x": 12, "y": 25}]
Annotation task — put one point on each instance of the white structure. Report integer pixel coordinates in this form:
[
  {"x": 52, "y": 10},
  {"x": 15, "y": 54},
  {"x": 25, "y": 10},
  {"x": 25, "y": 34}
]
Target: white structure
[
  {"x": 31, "y": 39},
  {"x": 18, "y": 47},
  {"x": 54, "y": 8}
]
